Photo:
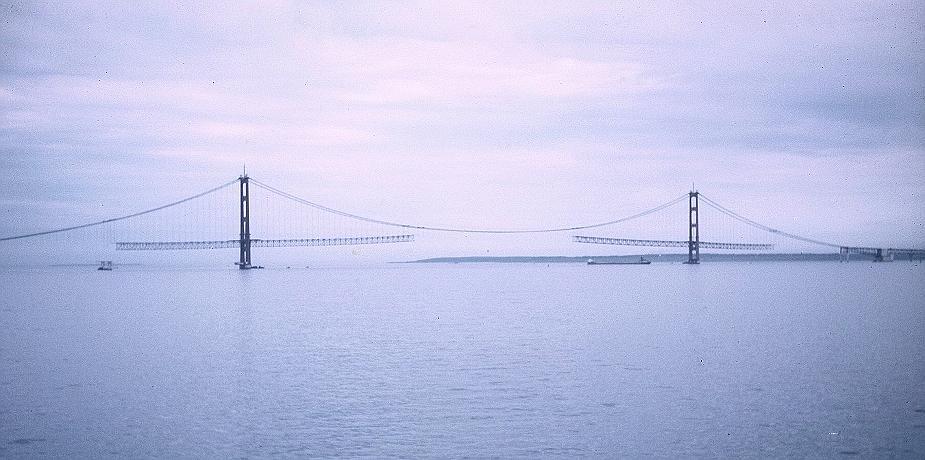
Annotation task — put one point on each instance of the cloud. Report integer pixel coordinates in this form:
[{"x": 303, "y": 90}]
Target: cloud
[{"x": 548, "y": 111}]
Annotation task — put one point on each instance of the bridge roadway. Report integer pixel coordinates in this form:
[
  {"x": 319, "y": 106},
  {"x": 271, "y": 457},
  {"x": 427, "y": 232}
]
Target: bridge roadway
[
  {"x": 672, "y": 243},
  {"x": 220, "y": 244}
]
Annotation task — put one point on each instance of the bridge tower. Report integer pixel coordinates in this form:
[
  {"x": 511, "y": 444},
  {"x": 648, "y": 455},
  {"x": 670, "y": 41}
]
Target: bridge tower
[
  {"x": 693, "y": 233},
  {"x": 245, "y": 243}
]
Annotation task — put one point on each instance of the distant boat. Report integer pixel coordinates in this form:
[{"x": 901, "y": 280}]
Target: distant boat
[
  {"x": 105, "y": 265},
  {"x": 641, "y": 261}
]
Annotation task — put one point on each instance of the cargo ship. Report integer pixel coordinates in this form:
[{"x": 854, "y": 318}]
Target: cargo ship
[{"x": 641, "y": 261}]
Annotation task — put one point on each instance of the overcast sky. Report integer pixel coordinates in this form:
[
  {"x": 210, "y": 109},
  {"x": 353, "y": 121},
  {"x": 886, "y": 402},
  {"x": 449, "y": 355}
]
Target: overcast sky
[{"x": 479, "y": 114}]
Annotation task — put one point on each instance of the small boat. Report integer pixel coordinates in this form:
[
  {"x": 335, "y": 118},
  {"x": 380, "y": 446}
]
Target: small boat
[
  {"x": 105, "y": 265},
  {"x": 641, "y": 261}
]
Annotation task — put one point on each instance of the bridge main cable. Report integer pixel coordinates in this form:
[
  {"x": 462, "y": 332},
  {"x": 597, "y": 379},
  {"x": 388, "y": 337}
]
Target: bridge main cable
[
  {"x": 297, "y": 199},
  {"x": 128, "y": 216},
  {"x": 748, "y": 221}
]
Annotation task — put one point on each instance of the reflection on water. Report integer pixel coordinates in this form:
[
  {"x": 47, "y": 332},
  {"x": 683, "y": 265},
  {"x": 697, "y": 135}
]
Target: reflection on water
[{"x": 723, "y": 359}]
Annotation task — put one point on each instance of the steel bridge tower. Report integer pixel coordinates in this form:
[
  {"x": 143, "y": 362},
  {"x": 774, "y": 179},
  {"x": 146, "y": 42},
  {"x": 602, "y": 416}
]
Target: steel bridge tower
[
  {"x": 693, "y": 233},
  {"x": 245, "y": 243}
]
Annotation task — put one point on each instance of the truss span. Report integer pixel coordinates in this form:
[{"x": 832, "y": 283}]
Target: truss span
[
  {"x": 346, "y": 241},
  {"x": 223, "y": 244},
  {"x": 846, "y": 250},
  {"x": 672, "y": 244},
  {"x": 881, "y": 254},
  {"x": 920, "y": 253}
]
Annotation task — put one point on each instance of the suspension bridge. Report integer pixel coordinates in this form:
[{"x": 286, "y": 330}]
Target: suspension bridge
[{"x": 319, "y": 217}]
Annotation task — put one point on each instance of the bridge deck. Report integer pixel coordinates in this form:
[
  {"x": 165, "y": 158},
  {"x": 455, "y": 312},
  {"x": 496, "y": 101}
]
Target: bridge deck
[
  {"x": 221, "y": 244},
  {"x": 672, "y": 243}
]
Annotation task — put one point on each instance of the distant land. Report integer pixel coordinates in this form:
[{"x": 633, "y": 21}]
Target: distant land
[{"x": 655, "y": 258}]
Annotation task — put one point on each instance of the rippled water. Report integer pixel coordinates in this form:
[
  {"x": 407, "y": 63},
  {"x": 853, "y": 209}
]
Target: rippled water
[{"x": 509, "y": 360}]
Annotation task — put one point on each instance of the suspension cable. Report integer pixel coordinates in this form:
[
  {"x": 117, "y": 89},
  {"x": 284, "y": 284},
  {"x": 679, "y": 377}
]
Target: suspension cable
[
  {"x": 748, "y": 221},
  {"x": 115, "y": 219},
  {"x": 457, "y": 230}
]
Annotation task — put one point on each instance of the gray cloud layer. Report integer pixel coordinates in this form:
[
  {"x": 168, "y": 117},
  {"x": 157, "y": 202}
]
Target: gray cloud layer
[{"x": 495, "y": 114}]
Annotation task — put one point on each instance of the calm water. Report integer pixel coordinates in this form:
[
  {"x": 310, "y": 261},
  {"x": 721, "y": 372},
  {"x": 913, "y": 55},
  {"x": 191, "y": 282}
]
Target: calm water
[{"x": 721, "y": 359}]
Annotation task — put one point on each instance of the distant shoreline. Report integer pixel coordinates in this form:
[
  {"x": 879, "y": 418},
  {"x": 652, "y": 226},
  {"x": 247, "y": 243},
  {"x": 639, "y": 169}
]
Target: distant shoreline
[{"x": 655, "y": 258}]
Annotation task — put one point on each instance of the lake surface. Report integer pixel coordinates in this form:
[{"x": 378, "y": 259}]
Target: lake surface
[{"x": 510, "y": 360}]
